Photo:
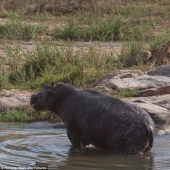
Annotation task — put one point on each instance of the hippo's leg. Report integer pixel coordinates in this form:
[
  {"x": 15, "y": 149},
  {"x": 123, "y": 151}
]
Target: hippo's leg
[
  {"x": 132, "y": 151},
  {"x": 85, "y": 143},
  {"x": 74, "y": 139}
]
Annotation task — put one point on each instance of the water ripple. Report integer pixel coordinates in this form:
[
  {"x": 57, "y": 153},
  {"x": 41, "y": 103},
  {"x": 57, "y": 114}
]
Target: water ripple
[{"x": 25, "y": 145}]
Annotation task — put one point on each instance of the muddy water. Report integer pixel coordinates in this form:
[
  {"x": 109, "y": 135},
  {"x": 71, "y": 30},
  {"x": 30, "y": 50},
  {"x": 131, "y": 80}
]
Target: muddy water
[{"x": 42, "y": 145}]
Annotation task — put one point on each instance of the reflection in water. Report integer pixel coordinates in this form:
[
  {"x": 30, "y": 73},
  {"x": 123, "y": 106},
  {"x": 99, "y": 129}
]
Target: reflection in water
[
  {"x": 99, "y": 159},
  {"x": 27, "y": 145}
]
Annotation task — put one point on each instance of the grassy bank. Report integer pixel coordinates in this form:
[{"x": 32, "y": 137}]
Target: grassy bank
[
  {"x": 27, "y": 114},
  {"x": 55, "y": 58},
  {"x": 87, "y": 20},
  {"x": 46, "y": 63}
]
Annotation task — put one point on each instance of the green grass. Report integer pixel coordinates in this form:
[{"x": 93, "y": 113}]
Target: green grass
[
  {"x": 127, "y": 93},
  {"x": 102, "y": 31},
  {"x": 161, "y": 39},
  {"x": 110, "y": 29},
  {"x": 48, "y": 63},
  {"x": 16, "y": 29},
  {"x": 132, "y": 22},
  {"x": 107, "y": 23},
  {"x": 27, "y": 114},
  {"x": 128, "y": 50}
]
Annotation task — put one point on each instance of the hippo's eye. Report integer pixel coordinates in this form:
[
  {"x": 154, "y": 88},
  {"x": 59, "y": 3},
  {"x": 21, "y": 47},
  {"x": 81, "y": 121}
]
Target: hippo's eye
[
  {"x": 59, "y": 84},
  {"x": 45, "y": 86},
  {"x": 52, "y": 84}
]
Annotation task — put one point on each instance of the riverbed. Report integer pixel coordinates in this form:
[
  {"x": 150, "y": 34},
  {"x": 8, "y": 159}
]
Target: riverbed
[{"x": 46, "y": 146}]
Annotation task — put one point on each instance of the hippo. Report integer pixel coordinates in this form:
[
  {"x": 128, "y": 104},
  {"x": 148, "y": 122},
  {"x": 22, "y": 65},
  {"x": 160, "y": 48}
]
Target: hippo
[{"x": 91, "y": 117}]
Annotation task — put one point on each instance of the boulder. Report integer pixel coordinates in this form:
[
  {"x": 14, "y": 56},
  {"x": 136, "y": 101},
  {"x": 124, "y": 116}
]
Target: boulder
[
  {"x": 160, "y": 115},
  {"x": 146, "y": 85},
  {"x": 153, "y": 92},
  {"x": 13, "y": 98},
  {"x": 163, "y": 70},
  {"x": 140, "y": 57},
  {"x": 160, "y": 100},
  {"x": 163, "y": 130}
]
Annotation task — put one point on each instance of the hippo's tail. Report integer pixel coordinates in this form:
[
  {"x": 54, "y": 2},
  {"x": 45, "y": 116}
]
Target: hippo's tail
[{"x": 150, "y": 136}]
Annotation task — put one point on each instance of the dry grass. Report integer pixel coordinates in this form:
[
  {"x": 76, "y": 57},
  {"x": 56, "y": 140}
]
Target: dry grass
[
  {"x": 133, "y": 22},
  {"x": 139, "y": 20},
  {"x": 83, "y": 20}
]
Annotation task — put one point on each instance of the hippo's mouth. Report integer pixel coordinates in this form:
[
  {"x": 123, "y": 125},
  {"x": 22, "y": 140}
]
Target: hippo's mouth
[{"x": 34, "y": 99}]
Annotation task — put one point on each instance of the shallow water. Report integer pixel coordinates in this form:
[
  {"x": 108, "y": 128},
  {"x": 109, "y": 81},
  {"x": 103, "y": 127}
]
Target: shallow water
[{"x": 41, "y": 145}]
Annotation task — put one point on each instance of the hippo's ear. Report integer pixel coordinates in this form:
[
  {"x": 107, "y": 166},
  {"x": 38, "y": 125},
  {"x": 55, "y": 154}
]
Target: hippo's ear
[
  {"x": 45, "y": 85},
  {"x": 53, "y": 84}
]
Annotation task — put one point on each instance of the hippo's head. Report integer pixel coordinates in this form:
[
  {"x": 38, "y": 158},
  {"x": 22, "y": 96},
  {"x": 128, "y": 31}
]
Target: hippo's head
[
  {"x": 45, "y": 99},
  {"x": 52, "y": 97}
]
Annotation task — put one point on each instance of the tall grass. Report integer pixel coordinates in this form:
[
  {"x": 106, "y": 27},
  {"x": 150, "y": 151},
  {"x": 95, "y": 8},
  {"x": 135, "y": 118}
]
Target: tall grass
[
  {"x": 48, "y": 63},
  {"x": 104, "y": 29},
  {"x": 27, "y": 114},
  {"x": 159, "y": 40},
  {"x": 15, "y": 28},
  {"x": 91, "y": 20},
  {"x": 133, "y": 22}
]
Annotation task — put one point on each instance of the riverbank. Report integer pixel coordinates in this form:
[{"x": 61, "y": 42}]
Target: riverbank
[
  {"x": 107, "y": 46},
  {"x": 41, "y": 145}
]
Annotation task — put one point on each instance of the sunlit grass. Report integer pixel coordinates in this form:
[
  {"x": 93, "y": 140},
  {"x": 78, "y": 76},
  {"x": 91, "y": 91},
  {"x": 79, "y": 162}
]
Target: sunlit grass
[
  {"x": 27, "y": 114},
  {"x": 16, "y": 29},
  {"x": 134, "y": 23}
]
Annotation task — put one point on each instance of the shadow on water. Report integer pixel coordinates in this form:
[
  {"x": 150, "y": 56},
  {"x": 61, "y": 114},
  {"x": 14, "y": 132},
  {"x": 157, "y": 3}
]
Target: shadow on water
[
  {"x": 39, "y": 144},
  {"x": 92, "y": 158}
]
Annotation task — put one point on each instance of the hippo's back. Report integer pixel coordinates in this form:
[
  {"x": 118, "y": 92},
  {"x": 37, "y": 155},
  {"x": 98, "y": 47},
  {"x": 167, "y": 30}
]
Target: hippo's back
[
  {"x": 113, "y": 124},
  {"x": 94, "y": 106}
]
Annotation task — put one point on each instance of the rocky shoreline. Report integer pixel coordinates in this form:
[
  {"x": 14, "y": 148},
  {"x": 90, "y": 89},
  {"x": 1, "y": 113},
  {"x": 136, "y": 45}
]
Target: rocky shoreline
[
  {"x": 152, "y": 87},
  {"x": 152, "y": 92}
]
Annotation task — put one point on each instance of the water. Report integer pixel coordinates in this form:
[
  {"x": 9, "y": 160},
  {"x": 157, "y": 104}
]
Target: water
[{"x": 28, "y": 145}]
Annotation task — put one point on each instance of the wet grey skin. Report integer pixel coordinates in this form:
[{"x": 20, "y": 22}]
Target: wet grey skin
[{"x": 94, "y": 118}]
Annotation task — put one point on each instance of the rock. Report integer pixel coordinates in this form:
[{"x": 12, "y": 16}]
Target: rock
[
  {"x": 106, "y": 80},
  {"x": 163, "y": 70},
  {"x": 142, "y": 82},
  {"x": 13, "y": 98},
  {"x": 159, "y": 114},
  {"x": 118, "y": 75},
  {"x": 140, "y": 57},
  {"x": 147, "y": 85},
  {"x": 155, "y": 91},
  {"x": 157, "y": 87},
  {"x": 160, "y": 100},
  {"x": 163, "y": 130},
  {"x": 105, "y": 90}
]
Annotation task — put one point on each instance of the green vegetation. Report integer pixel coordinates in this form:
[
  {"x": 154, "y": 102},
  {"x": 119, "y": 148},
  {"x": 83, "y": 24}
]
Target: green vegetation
[
  {"x": 127, "y": 93},
  {"x": 137, "y": 24},
  {"x": 27, "y": 114},
  {"x": 159, "y": 40},
  {"x": 102, "y": 31},
  {"x": 110, "y": 28},
  {"x": 18, "y": 30},
  {"x": 50, "y": 63}
]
